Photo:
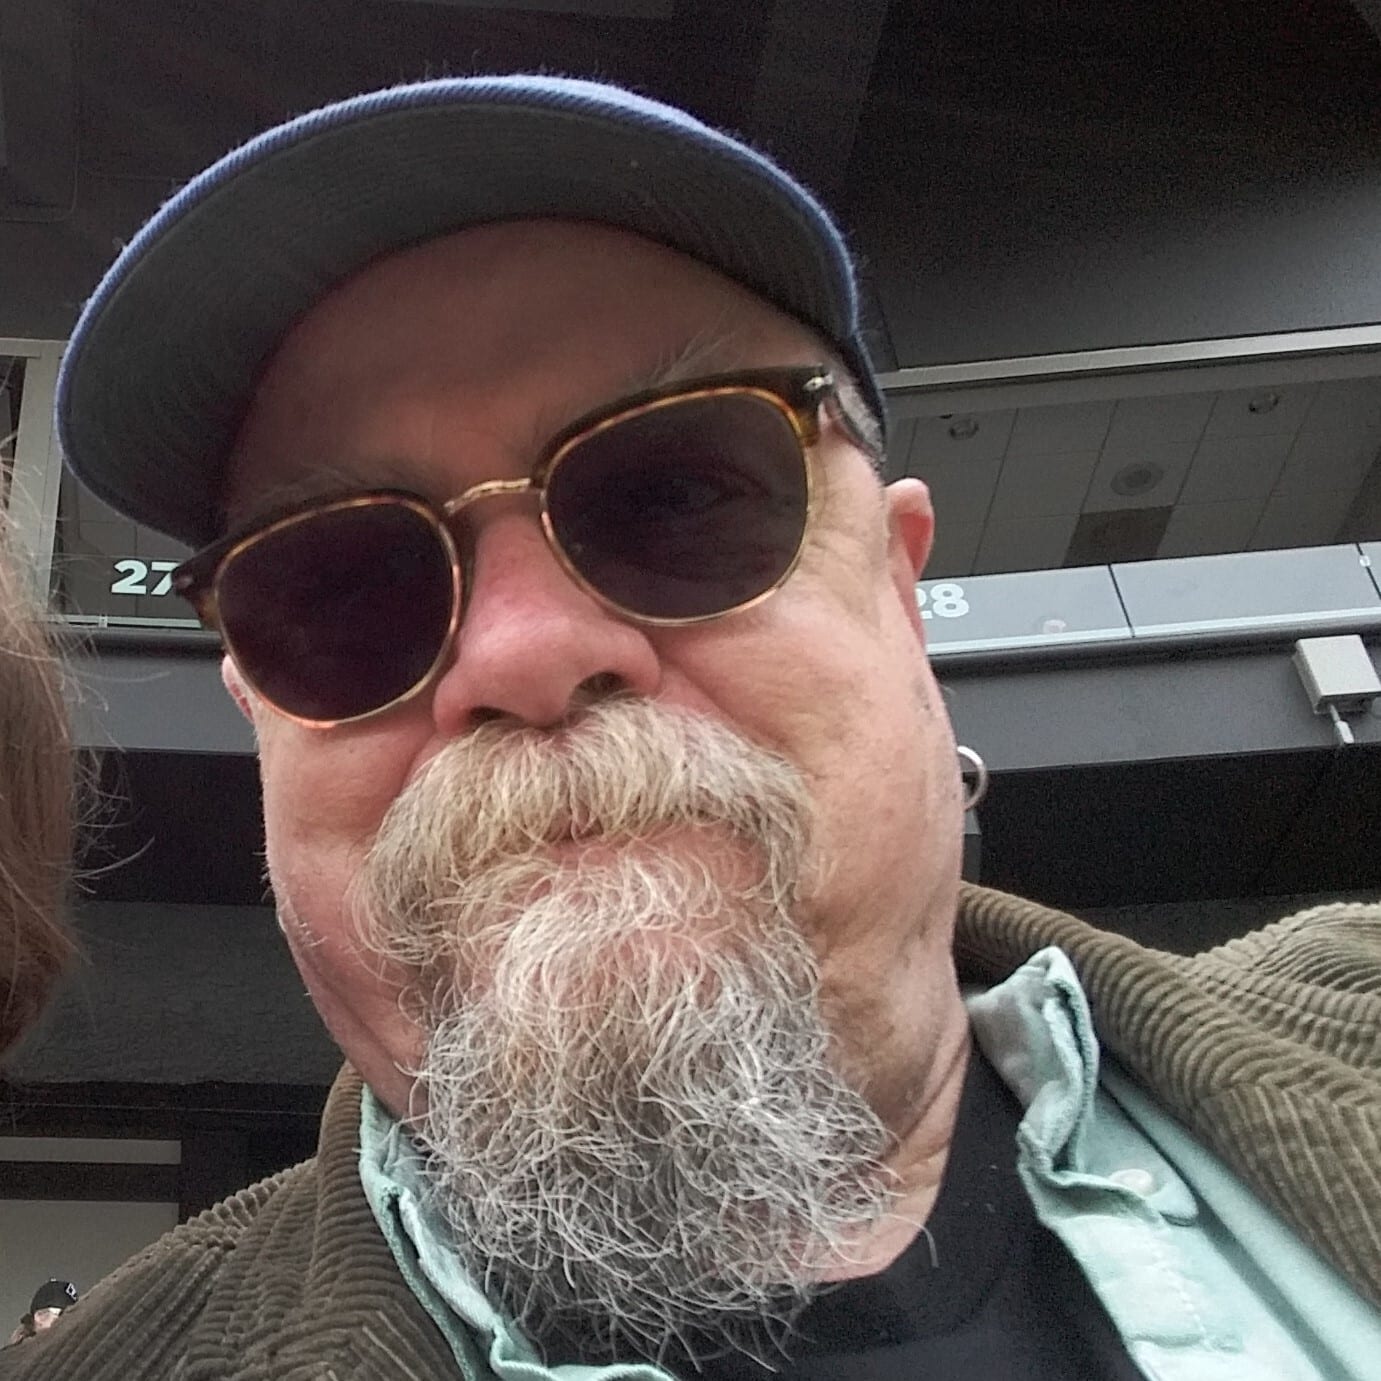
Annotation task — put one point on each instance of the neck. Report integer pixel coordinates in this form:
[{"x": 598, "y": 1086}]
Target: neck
[{"x": 918, "y": 1165}]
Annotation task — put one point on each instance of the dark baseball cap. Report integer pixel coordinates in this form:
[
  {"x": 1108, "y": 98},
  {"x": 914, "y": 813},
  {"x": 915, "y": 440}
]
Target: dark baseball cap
[
  {"x": 54, "y": 1294},
  {"x": 165, "y": 358}
]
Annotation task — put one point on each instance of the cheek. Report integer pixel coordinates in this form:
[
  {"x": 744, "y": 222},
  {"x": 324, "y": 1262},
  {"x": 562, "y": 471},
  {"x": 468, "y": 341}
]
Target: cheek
[
  {"x": 851, "y": 701},
  {"x": 325, "y": 794},
  {"x": 886, "y": 789}
]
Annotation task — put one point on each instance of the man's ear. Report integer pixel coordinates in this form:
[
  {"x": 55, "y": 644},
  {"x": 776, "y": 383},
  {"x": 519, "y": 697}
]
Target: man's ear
[
  {"x": 234, "y": 683},
  {"x": 910, "y": 532}
]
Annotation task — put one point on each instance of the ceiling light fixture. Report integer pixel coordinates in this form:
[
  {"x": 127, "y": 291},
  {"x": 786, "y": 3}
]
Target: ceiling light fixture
[{"x": 1138, "y": 478}]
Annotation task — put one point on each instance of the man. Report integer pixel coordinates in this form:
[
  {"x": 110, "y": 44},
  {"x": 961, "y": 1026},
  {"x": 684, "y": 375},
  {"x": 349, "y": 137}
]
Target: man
[{"x": 614, "y": 818}]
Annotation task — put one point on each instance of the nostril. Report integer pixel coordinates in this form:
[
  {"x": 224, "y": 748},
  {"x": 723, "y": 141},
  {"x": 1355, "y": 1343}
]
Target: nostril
[
  {"x": 591, "y": 691},
  {"x": 599, "y": 687}
]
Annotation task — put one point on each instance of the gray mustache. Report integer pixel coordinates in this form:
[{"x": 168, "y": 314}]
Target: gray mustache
[
  {"x": 470, "y": 837},
  {"x": 623, "y": 768}
]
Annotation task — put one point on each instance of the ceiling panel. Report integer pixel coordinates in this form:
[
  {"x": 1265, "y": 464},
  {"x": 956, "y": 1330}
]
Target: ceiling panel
[
  {"x": 1259, "y": 411},
  {"x": 1024, "y": 544},
  {"x": 966, "y": 438},
  {"x": 1303, "y": 519},
  {"x": 1327, "y": 460},
  {"x": 899, "y": 434},
  {"x": 1061, "y": 427},
  {"x": 1204, "y": 529},
  {"x": 1035, "y": 486},
  {"x": 1175, "y": 417},
  {"x": 1279, "y": 464},
  {"x": 954, "y": 548},
  {"x": 1124, "y": 534},
  {"x": 962, "y": 492},
  {"x": 1345, "y": 404},
  {"x": 1145, "y": 474},
  {"x": 79, "y": 503},
  {"x": 1235, "y": 467},
  {"x": 11, "y": 394}
]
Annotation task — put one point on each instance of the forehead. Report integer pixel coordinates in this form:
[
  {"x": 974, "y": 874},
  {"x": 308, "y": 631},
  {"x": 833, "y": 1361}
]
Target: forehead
[{"x": 485, "y": 343}]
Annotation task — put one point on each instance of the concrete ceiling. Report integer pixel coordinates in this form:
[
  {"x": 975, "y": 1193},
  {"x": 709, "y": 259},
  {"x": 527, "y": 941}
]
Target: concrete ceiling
[{"x": 1018, "y": 177}]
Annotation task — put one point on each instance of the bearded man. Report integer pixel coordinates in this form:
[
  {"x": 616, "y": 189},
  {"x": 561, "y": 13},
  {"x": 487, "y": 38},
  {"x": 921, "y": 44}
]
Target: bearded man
[{"x": 614, "y": 819}]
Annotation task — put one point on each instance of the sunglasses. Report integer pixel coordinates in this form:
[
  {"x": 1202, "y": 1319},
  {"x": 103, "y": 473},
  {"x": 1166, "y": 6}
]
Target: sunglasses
[{"x": 672, "y": 507}]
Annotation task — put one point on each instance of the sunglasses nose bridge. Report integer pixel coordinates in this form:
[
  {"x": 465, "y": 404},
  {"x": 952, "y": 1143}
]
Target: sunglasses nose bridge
[{"x": 488, "y": 489}]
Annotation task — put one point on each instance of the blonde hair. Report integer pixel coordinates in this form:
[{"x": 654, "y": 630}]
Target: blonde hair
[{"x": 37, "y": 780}]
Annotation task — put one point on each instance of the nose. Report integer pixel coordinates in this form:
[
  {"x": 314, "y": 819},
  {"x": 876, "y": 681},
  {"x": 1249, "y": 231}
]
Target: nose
[{"x": 531, "y": 639}]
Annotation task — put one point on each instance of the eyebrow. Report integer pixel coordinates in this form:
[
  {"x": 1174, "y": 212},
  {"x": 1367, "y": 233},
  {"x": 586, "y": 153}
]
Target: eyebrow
[
  {"x": 706, "y": 353},
  {"x": 703, "y": 355},
  {"x": 326, "y": 481}
]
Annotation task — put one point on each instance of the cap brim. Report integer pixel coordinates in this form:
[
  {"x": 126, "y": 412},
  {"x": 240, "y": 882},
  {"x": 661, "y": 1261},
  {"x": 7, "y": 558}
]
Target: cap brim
[{"x": 163, "y": 362}]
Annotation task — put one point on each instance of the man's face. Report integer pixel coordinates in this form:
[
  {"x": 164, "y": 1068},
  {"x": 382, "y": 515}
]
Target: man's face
[
  {"x": 44, "y": 1319},
  {"x": 452, "y": 364}
]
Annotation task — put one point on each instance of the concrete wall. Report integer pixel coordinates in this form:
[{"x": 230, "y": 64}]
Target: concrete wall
[
  {"x": 1185, "y": 171},
  {"x": 180, "y": 995},
  {"x": 1043, "y": 178}
]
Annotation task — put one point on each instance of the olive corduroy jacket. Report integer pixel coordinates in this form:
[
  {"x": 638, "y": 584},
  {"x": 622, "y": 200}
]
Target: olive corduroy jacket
[{"x": 1267, "y": 1048}]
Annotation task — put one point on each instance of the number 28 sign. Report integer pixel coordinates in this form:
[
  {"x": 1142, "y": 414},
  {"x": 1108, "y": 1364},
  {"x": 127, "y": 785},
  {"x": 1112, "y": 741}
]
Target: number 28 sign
[{"x": 943, "y": 601}]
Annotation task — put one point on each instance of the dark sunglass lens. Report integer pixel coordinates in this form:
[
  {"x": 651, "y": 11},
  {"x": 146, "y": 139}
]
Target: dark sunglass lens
[
  {"x": 340, "y": 612},
  {"x": 685, "y": 510}
]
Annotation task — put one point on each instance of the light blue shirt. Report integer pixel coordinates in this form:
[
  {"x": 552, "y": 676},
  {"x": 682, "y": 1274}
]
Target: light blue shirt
[{"x": 1201, "y": 1279}]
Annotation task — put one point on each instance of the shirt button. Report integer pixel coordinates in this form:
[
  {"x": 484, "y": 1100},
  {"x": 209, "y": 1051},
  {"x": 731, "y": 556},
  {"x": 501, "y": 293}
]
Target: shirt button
[{"x": 1137, "y": 1180}]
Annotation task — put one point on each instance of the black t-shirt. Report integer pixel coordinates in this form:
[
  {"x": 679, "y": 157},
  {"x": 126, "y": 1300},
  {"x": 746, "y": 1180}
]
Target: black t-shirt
[{"x": 986, "y": 1292}]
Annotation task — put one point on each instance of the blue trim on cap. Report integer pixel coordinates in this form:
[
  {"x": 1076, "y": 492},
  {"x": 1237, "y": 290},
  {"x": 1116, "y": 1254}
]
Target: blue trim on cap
[{"x": 128, "y": 461}]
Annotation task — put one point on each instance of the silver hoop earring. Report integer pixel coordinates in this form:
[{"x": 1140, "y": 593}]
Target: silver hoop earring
[{"x": 974, "y": 765}]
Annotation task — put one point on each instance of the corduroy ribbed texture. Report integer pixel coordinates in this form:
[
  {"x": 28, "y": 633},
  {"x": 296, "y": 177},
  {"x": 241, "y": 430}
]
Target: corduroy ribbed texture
[
  {"x": 286, "y": 1281},
  {"x": 1268, "y": 1048}
]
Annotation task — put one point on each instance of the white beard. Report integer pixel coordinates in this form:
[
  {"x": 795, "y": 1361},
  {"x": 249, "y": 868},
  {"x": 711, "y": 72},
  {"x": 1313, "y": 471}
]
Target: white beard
[{"x": 633, "y": 1117}]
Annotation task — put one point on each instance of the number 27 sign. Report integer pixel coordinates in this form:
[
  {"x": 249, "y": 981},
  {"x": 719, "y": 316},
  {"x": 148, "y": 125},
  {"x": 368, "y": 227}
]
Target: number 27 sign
[{"x": 143, "y": 577}]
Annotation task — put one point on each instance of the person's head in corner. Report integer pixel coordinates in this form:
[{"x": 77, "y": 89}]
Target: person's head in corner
[{"x": 50, "y": 1300}]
